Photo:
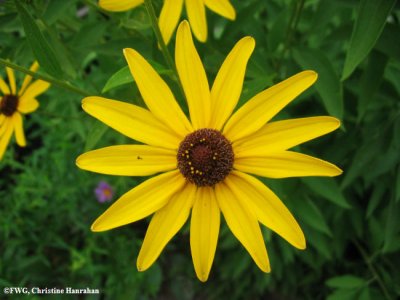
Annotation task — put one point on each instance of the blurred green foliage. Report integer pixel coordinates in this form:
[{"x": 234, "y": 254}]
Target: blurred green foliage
[{"x": 351, "y": 222}]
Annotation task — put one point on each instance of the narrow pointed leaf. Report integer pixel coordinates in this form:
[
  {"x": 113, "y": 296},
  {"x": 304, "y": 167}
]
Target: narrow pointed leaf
[
  {"x": 39, "y": 45},
  {"x": 124, "y": 76},
  {"x": 327, "y": 188},
  {"x": 345, "y": 282},
  {"x": 310, "y": 213},
  {"x": 370, "y": 81},
  {"x": 328, "y": 84},
  {"x": 371, "y": 18}
]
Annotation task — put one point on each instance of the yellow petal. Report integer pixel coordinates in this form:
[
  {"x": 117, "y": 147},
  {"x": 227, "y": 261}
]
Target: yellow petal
[
  {"x": 36, "y": 88},
  {"x": 4, "y": 123},
  {"x": 119, "y": 5},
  {"x": 193, "y": 77},
  {"x": 169, "y": 18},
  {"x": 19, "y": 130},
  {"x": 265, "y": 105},
  {"x": 222, "y": 7},
  {"x": 11, "y": 80},
  {"x": 6, "y": 131},
  {"x": 243, "y": 224},
  {"x": 228, "y": 84},
  {"x": 156, "y": 94},
  {"x": 268, "y": 208},
  {"x": 282, "y": 135},
  {"x": 128, "y": 160},
  {"x": 132, "y": 121},
  {"x": 286, "y": 164},
  {"x": 204, "y": 230},
  {"x": 141, "y": 201},
  {"x": 28, "y": 105},
  {"x": 164, "y": 225},
  {"x": 196, "y": 13},
  {"x": 28, "y": 78},
  {"x": 4, "y": 87}
]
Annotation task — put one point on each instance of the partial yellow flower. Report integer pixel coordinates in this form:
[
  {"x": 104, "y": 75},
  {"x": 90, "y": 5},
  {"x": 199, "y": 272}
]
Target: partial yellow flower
[
  {"x": 119, "y": 5},
  {"x": 196, "y": 13},
  {"x": 171, "y": 12},
  {"x": 14, "y": 104},
  {"x": 202, "y": 166}
]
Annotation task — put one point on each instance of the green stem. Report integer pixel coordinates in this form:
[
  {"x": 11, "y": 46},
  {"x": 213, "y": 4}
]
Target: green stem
[
  {"x": 294, "y": 20},
  {"x": 373, "y": 270},
  {"x": 161, "y": 43},
  {"x": 56, "y": 82}
]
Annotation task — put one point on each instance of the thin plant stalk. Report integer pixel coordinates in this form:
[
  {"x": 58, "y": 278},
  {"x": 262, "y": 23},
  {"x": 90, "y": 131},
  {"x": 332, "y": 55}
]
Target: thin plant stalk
[
  {"x": 373, "y": 271},
  {"x": 53, "y": 81},
  {"x": 294, "y": 20},
  {"x": 164, "y": 49}
]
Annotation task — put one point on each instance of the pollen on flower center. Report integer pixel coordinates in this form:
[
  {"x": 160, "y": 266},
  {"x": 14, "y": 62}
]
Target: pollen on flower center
[
  {"x": 8, "y": 105},
  {"x": 205, "y": 157}
]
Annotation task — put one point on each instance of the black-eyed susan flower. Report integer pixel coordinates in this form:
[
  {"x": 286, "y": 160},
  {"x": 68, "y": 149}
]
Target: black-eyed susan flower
[
  {"x": 202, "y": 166},
  {"x": 171, "y": 12},
  {"x": 14, "y": 104}
]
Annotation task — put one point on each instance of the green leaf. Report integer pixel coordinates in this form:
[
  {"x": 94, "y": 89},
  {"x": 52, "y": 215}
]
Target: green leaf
[
  {"x": 370, "y": 81},
  {"x": 392, "y": 225},
  {"x": 97, "y": 132},
  {"x": 153, "y": 280},
  {"x": 364, "y": 155},
  {"x": 343, "y": 295},
  {"x": 364, "y": 295},
  {"x": 320, "y": 242},
  {"x": 382, "y": 164},
  {"x": 375, "y": 233},
  {"x": 114, "y": 47},
  {"x": 327, "y": 188},
  {"x": 89, "y": 34},
  {"x": 138, "y": 20},
  {"x": 396, "y": 132},
  {"x": 39, "y": 45},
  {"x": 61, "y": 52},
  {"x": 322, "y": 18},
  {"x": 397, "y": 185},
  {"x": 277, "y": 30},
  {"x": 328, "y": 84},
  {"x": 56, "y": 9},
  {"x": 123, "y": 76},
  {"x": 345, "y": 282},
  {"x": 388, "y": 41},
  {"x": 311, "y": 215},
  {"x": 375, "y": 198},
  {"x": 6, "y": 19},
  {"x": 371, "y": 19}
]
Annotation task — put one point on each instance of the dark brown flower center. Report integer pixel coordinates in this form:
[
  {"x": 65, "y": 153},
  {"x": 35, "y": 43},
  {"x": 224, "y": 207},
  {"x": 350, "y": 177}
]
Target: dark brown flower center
[
  {"x": 205, "y": 157},
  {"x": 9, "y": 104}
]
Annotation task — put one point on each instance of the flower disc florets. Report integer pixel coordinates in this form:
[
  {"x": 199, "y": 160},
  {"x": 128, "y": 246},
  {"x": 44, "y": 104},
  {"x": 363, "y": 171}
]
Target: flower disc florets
[
  {"x": 8, "y": 105},
  {"x": 205, "y": 157}
]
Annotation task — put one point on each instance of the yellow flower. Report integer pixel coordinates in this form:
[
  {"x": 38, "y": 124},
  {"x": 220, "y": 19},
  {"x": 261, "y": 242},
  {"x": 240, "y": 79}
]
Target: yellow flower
[
  {"x": 13, "y": 105},
  {"x": 204, "y": 163},
  {"x": 196, "y": 13},
  {"x": 171, "y": 12}
]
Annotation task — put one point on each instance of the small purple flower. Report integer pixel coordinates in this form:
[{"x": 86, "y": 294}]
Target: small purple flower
[{"x": 104, "y": 192}]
